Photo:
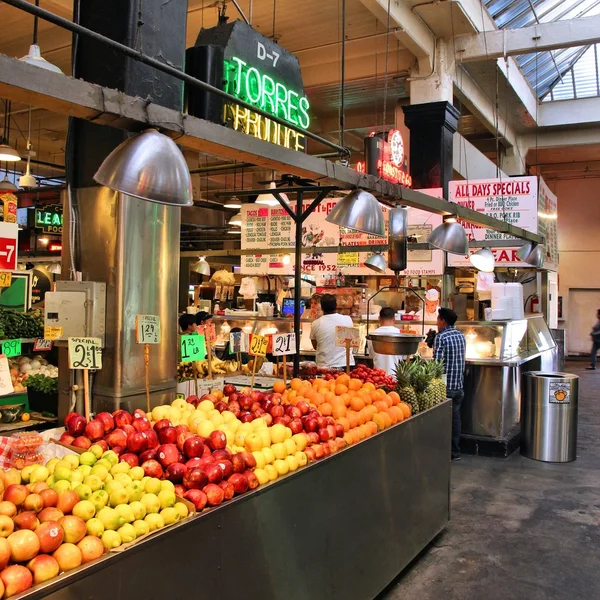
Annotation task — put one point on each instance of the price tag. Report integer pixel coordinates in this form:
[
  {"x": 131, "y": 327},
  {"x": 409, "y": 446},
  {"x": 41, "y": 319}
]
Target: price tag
[
  {"x": 284, "y": 344},
  {"x": 238, "y": 342},
  {"x": 5, "y": 279},
  {"x": 192, "y": 348},
  {"x": 259, "y": 345},
  {"x": 52, "y": 332},
  {"x": 6, "y": 386},
  {"x": 85, "y": 353},
  {"x": 347, "y": 333},
  {"x": 42, "y": 345},
  {"x": 11, "y": 348},
  {"x": 147, "y": 329},
  {"x": 209, "y": 332}
]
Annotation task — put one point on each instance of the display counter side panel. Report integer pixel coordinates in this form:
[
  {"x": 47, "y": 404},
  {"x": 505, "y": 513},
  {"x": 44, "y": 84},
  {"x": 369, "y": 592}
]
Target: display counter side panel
[{"x": 343, "y": 528}]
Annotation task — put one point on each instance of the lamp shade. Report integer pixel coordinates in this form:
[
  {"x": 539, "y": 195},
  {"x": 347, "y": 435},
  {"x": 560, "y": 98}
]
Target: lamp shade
[
  {"x": 450, "y": 237},
  {"x": 34, "y": 57},
  {"x": 483, "y": 260},
  {"x": 359, "y": 210},
  {"x": 148, "y": 166},
  {"x": 7, "y": 186},
  {"x": 233, "y": 203},
  {"x": 376, "y": 262},
  {"x": 270, "y": 200},
  {"x": 532, "y": 254},
  {"x": 236, "y": 220},
  {"x": 202, "y": 267},
  {"x": 8, "y": 154},
  {"x": 55, "y": 268}
]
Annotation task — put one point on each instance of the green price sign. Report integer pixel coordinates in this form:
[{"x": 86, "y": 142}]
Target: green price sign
[
  {"x": 11, "y": 348},
  {"x": 192, "y": 348}
]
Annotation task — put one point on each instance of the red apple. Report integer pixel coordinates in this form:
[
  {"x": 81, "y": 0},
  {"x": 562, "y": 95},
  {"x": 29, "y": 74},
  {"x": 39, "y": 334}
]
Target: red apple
[
  {"x": 281, "y": 420},
  {"x": 107, "y": 421},
  {"x": 8, "y": 508},
  {"x": 152, "y": 468},
  {"x": 102, "y": 444},
  {"x": 51, "y": 536},
  {"x": 331, "y": 431},
  {"x": 16, "y": 579},
  {"x": 118, "y": 450},
  {"x": 16, "y": 493},
  {"x": 268, "y": 419},
  {"x": 68, "y": 557},
  {"x": 195, "y": 463},
  {"x": 91, "y": 548},
  {"x": 66, "y": 501},
  {"x": 277, "y": 411},
  {"x": 5, "y": 552},
  {"x": 82, "y": 442},
  {"x": 313, "y": 437},
  {"x": 44, "y": 567},
  {"x": 226, "y": 467},
  {"x": 76, "y": 425},
  {"x": 245, "y": 401},
  {"x": 167, "y": 435},
  {"x": 117, "y": 437},
  {"x": 207, "y": 450},
  {"x": 34, "y": 503},
  {"x": 141, "y": 424},
  {"x": 176, "y": 472},
  {"x": 217, "y": 440},
  {"x": 332, "y": 445},
  {"x": 238, "y": 462},
  {"x": 51, "y": 513},
  {"x": 122, "y": 417},
  {"x": 74, "y": 528},
  {"x": 276, "y": 398},
  {"x": 66, "y": 438},
  {"x": 296, "y": 426},
  {"x": 131, "y": 459},
  {"x": 205, "y": 460},
  {"x": 128, "y": 429},
  {"x": 161, "y": 425},
  {"x": 214, "y": 472},
  {"x": 248, "y": 459},
  {"x": 247, "y": 418},
  {"x": 214, "y": 494},
  {"x": 239, "y": 482},
  {"x": 195, "y": 479},
  {"x": 229, "y": 389},
  {"x": 322, "y": 422},
  {"x": 326, "y": 449},
  {"x": 310, "y": 454},
  {"x": 182, "y": 437},
  {"x": 152, "y": 438},
  {"x": 179, "y": 490},
  {"x": 194, "y": 446},
  {"x": 252, "y": 479},
  {"x": 339, "y": 430},
  {"x": 222, "y": 454},
  {"x": 197, "y": 498},
  {"x": 182, "y": 429},
  {"x": 138, "y": 413},
  {"x": 323, "y": 434},
  {"x": 228, "y": 490},
  {"x": 303, "y": 406},
  {"x": 70, "y": 416},
  {"x": 256, "y": 396},
  {"x": 167, "y": 455},
  {"x": 148, "y": 455},
  {"x": 193, "y": 400},
  {"x": 259, "y": 412},
  {"x": 221, "y": 406},
  {"x": 315, "y": 414},
  {"x": 24, "y": 545},
  {"x": 319, "y": 452},
  {"x": 268, "y": 405},
  {"x": 137, "y": 442}
]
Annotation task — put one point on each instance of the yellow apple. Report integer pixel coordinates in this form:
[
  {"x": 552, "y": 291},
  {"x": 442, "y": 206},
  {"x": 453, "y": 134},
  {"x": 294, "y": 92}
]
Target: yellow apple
[
  {"x": 301, "y": 458},
  {"x": 240, "y": 438},
  {"x": 159, "y": 413},
  {"x": 259, "y": 423},
  {"x": 301, "y": 441},
  {"x": 271, "y": 471},
  {"x": 290, "y": 446},
  {"x": 205, "y": 428},
  {"x": 246, "y": 427},
  {"x": 260, "y": 459},
  {"x": 288, "y": 433},
  {"x": 268, "y": 454},
  {"x": 206, "y": 405},
  {"x": 292, "y": 462},
  {"x": 262, "y": 475},
  {"x": 235, "y": 425},
  {"x": 281, "y": 466},
  {"x": 279, "y": 450},
  {"x": 278, "y": 434},
  {"x": 253, "y": 442},
  {"x": 265, "y": 435},
  {"x": 228, "y": 434},
  {"x": 179, "y": 403},
  {"x": 228, "y": 416}
]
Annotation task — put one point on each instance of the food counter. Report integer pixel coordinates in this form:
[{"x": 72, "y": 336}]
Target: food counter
[{"x": 497, "y": 353}]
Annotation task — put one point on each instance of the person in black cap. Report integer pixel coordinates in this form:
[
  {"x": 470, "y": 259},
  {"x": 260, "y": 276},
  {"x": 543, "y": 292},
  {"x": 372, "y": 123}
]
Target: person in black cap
[
  {"x": 202, "y": 318},
  {"x": 187, "y": 323}
]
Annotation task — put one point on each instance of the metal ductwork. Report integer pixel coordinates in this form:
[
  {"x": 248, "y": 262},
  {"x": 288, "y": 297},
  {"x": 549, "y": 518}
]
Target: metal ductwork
[{"x": 398, "y": 239}]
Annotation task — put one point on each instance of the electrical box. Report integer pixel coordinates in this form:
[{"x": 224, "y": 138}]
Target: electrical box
[{"x": 78, "y": 307}]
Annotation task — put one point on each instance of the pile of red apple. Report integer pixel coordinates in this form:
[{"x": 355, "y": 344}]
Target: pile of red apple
[
  {"x": 39, "y": 538},
  {"x": 378, "y": 377}
]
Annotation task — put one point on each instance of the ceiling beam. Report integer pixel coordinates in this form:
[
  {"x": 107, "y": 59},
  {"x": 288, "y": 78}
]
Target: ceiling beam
[
  {"x": 525, "y": 40},
  {"x": 581, "y": 111},
  {"x": 410, "y": 29},
  {"x": 59, "y": 93}
]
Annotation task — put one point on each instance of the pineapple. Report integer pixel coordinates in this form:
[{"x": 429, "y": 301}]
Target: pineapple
[
  {"x": 437, "y": 387},
  {"x": 403, "y": 373},
  {"x": 421, "y": 378}
]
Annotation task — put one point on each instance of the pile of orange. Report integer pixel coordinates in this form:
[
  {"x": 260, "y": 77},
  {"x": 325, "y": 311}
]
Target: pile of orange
[{"x": 359, "y": 407}]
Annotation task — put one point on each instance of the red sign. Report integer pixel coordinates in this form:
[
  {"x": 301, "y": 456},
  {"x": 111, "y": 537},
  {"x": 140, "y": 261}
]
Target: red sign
[
  {"x": 385, "y": 159},
  {"x": 55, "y": 247},
  {"x": 8, "y": 254}
]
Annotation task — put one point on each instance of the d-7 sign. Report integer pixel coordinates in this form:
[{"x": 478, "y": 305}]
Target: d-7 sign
[{"x": 9, "y": 233}]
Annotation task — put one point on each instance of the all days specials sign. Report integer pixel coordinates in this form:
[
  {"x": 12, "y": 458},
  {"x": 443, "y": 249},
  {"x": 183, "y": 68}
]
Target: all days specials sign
[
  {"x": 514, "y": 200},
  {"x": 272, "y": 227}
]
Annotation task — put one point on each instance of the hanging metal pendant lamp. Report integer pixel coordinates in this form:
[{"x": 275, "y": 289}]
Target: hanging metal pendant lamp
[
  {"x": 267, "y": 199},
  {"x": 376, "y": 262},
  {"x": 202, "y": 267},
  {"x": 451, "y": 237},
  {"x": 359, "y": 210},
  {"x": 483, "y": 260},
  {"x": 34, "y": 55},
  {"x": 7, "y": 153},
  {"x": 533, "y": 254}
]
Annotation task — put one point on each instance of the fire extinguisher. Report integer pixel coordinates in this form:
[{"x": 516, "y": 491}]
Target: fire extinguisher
[{"x": 535, "y": 304}]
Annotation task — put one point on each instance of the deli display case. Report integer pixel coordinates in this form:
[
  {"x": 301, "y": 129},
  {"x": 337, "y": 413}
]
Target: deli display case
[{"x": 498, "y": 352}]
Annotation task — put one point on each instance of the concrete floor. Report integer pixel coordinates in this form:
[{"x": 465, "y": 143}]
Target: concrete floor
[{"x": 520, "y": 529}]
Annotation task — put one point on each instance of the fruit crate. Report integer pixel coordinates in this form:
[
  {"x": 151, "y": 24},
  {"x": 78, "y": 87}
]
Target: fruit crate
[{"x": 241, "y": 381}]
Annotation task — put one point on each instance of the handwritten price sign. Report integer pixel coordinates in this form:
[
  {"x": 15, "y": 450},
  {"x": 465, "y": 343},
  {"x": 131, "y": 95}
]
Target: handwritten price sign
[
  {"x": 343, "y": 334},
  {"x": 42, "y": 345},
  {"x": 5, "y": 279},
  {"x": 284, "y": 344},
  {"x": 52, "y": 332},
  {"x": 259, "y": 345},
  {"x": 193, "y": 348},
  {"x": 238, "y": 342},
  {"x": 11, "y": 348},
  {"x": 209, "y": 332},
  {"x": 85, "y": 353},
  {"x": 147, "y": 329}
]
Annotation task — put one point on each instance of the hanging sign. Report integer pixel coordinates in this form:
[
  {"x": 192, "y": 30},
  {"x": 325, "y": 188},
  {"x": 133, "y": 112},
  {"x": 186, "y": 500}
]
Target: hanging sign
[
  {"x": 147, "y": 329},
  {"x": 238, "y": 342},
  {"x": 193, "y": 348},
  {"x": 10, "y": 203},
  {"x": 548, "y": 224},
  {"x": 49, "y": 219},
  {"x": 385, "y": 157},
  {"x": 259, "y": 345},
  {"x": 345, "y": 334},
  {"x": 42, "y": 345},
  {"x": 284, "y": 344},
  {"x": 85, "y": 353},
  {"x": 5, "y": 279},
  {"x": 9, "y": 235},
  {"x": 209, "y": 332}
]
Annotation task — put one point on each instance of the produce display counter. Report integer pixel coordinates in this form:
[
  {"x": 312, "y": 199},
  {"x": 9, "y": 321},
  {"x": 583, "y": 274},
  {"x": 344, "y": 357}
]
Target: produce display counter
[{"x": 343, "y": 527}]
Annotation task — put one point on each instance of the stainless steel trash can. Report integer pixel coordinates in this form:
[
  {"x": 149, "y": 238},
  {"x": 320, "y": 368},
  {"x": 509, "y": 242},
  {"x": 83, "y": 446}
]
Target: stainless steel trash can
[{"x": 549, "y": 406}]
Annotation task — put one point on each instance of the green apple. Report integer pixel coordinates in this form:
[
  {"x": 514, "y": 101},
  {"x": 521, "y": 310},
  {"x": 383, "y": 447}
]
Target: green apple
[
  {"x": 84, "y": 509},
  {"x": 99, "y": 499},
  {"x": 155, "y": 521},
  {"x": 87, "y": 458},
  {"x": 136, "y": 491},
  {"x": 111, "y": 539},
  {"x": 83, "y": 491},
  {"x": 85, "y": 469},
  {"x": 165, "y": 484},
  {"x": 51, "y": 464},
  {"x": 127, "y": 533},
  {"x": 95, "y": 527},
  {"x": 94, "y": 482},
  {"x": 182, "y": 509},
  {"x": 50, "y": 481},
  {"x": 153, "y": 486},
  {"x": 118, "y": 496},
  {"x": 141, "y": 528},
  {"x": 136, "y": 473},
  {"x": 170, "y": 515},
  {"x": 104, "y": 462},
  {"x": 110, "y": 518},
  {"x": 38, "y": 474},
  {"x": 122, "y": 467},
  {"x": 73, "y": 460},
  {"x": 151, "y": 502},
  {"x": 138, "y": 509},
  {"x": 109, "y": 486},
  {"x": 100, "y": 471},
  {"x": 123, "y": 478},
  {"x": 62, "y": 486},
  {"x": 62, "y": 463},
  {"x": 167, "y": 498},
  {"x": 26, "y": 473},
  {"x": 76, "y": 476},
  {"x": 63, "y": 474},
  {"x": 125, "y": 512},
  {"x": 111, "y": 457},
  {"x": 96, "y": 450}
]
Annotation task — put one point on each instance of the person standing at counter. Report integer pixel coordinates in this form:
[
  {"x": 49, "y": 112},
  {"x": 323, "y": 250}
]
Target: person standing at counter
[
  {"x": 187, "y": 324},
  {"x": 387, "y": 362},
  {"x": 450, "y": 346},
  {"x": 595, "y": 335},
  {"x": 322, "y": 335}
]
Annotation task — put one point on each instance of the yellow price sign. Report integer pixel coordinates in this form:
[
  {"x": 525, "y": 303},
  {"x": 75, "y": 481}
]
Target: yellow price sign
[
  {"x": 258, "y": 345},
  {"x": 5, "y": 279},
  {"x": 52, "y": 332}
]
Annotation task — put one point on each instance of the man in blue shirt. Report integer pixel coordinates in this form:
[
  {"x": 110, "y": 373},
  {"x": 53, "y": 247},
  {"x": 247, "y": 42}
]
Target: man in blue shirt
[{"x": 450, "y": 346}]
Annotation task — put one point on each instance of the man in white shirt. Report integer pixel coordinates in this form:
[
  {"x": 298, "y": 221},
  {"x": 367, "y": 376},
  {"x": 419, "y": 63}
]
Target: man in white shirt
[
  {"x": 387, "y": 362},
  {"x": 322, "y": 335}
]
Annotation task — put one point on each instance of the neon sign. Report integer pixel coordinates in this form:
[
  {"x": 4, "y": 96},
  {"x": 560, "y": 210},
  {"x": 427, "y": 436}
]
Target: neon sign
[
  {"x": 49, "y": 219},
  {"x": 386, "y": 159}
]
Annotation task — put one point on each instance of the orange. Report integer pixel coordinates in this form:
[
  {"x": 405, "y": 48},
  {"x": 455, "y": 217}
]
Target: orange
[
  {"x": 296, "y": 384},
  {"x": 395, "y": 397},
  {"x": 348, "y": 438},
  {"x": 291, "y": 394},
  {"x": 339, "y": 410},
  {"x": 344, "y": 399},
  {"x": 378, "y": 420},
  {"x": 387, "y": 420},
  {"x": 392, "y": 415},
  {"x": 340, "y": 389},
  {"x": 354, "y": 384},
  {"x": 371, "y": 410},
  {"x": 380, "y": 405},
  {"x": 405, "y": 409},
  {"x": 343, "y": 380},
  {"x": 398, "y": 412},
  {"x": 326, "y": 409},
  {"x": 329, "y": 396},
  {"x": 279, "y": 387},
  {"x": 371, "y": 427},
  {"x": 388, "y": 401},
  {"x": 357, "y": 403},
  {"x": 352, "y": 419},
  {"x": 368, "y": 386},
  {"x": 344, "y": 422}
]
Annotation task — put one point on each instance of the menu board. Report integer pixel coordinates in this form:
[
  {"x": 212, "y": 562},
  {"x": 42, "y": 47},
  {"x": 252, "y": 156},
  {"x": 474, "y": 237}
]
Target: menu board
[
  {"x": 272, "y": 227},
  {"x": 548, "y": 224},
  {"x": 514, "y": 200}
]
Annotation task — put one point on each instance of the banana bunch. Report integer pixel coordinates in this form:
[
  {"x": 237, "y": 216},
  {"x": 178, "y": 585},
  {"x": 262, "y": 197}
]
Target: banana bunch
[
  {"x": 219, "y": 367},
  {"x": 247, "y": 369}
]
